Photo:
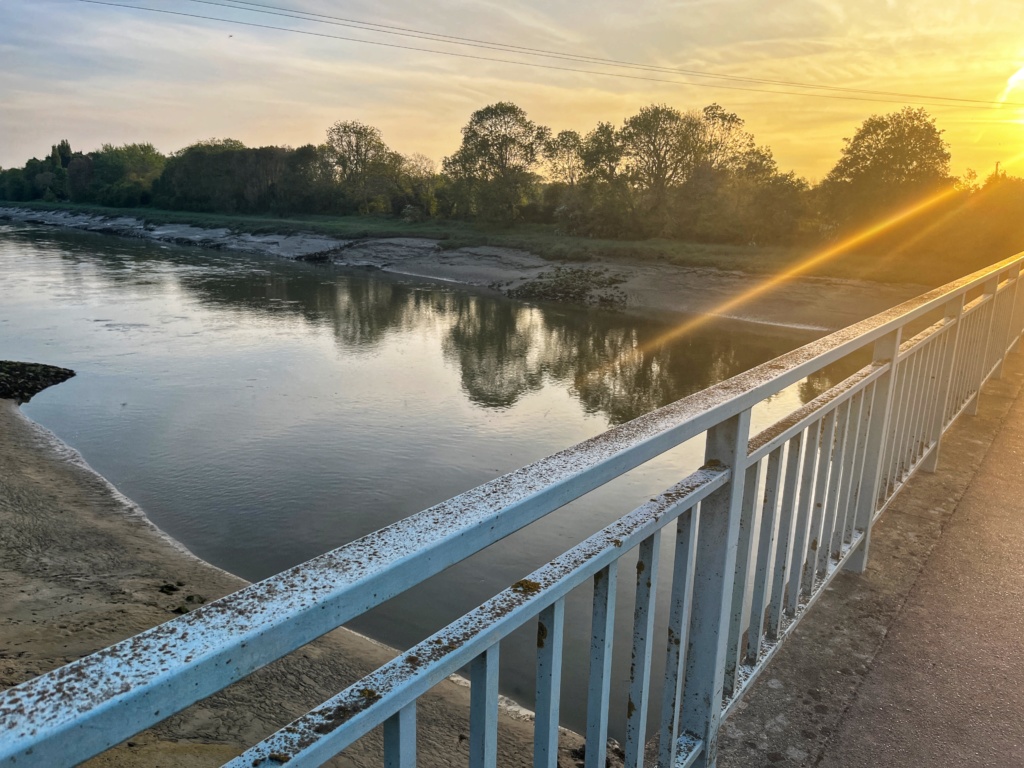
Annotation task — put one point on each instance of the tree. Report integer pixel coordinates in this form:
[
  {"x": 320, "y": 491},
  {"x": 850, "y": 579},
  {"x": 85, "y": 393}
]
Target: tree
[
  {"x": 494, "y": 166},
  {"x": 656, "y": 154},
  {"x": 417, "y": 196},
  {"x": 564, "y": 158},
  {"x": 890, "y": 161},
  {"x": 719, "y": 141},
  {"x": 602, "y": 153},
  {"x": 121, "y": 176},
  {"x": 366, "y": 167},
  {"x": 64, "y": 152}
]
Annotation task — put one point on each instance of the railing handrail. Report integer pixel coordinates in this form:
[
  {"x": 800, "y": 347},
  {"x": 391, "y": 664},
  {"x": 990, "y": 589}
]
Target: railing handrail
[{"x": 104, "y": 698}]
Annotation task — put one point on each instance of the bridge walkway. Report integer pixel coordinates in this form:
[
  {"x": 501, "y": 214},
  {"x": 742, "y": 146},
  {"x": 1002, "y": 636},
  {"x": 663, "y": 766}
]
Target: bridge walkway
[{"x": 925, "y": 668}]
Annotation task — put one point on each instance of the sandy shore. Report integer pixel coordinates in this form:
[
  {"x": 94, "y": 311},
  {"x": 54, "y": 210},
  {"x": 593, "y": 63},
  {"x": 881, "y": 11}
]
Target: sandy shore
[
  {"x": 806, "y": 302},
  {"x": 81, "y": 568}
]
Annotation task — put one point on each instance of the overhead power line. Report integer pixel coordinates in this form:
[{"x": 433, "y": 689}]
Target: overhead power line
[
  {"x": 389, "y": 29},
  {"x": 537, "y": 65}
]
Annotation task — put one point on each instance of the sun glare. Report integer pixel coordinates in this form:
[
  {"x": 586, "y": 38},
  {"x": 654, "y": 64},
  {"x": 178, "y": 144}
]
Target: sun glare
[
  {"x": 1016, "y": 80},
  {"x": 803, "y": 267}
]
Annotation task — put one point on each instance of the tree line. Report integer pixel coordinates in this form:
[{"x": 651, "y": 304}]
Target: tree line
[{"x": 695, "y": 175}]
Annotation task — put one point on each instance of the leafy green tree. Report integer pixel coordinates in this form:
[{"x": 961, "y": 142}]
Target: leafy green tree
[
  {"x": 307, "y": 183},
  {"x": 564, "y": 156},
  {"x": 64, "y": 152},
  {"x": 889, "y": 162},
  {"x": 123, "y": 175},
  {"x": 417, "y": 197},
  {"x": 367, "y": 169},
  {"x": 656, "y": 151},
  {"x": 494, "y": 168},
  {"x": 80, "y": 178},
  {"x": 602, "y": 153},
  {"x": 719, "y": 140}
]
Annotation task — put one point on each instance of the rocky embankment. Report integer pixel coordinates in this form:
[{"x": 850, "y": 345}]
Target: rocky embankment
[{"x": 21, "y": 381}]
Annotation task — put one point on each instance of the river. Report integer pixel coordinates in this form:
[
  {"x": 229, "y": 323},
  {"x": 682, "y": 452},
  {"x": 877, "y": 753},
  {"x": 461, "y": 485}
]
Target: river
[{"x": 262, "y": 411}]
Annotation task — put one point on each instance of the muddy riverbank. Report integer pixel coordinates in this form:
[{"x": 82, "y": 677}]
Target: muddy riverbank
[
  {"x": 804, "y": 302},
  {"x": 82, "y": 568}
]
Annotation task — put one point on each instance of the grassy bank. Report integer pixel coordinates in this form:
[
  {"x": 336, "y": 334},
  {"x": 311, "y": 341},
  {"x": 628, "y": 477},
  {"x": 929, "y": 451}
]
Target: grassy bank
[{"x": 881, "y": 262}]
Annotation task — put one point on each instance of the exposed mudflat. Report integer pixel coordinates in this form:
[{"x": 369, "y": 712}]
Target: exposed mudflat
[
  {"x": 82, "y": 568},
  {"x": 804, "y": 302}
]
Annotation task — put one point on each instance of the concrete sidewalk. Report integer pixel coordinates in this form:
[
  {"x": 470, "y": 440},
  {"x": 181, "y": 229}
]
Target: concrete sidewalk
[{"x": 916, "y": 662}]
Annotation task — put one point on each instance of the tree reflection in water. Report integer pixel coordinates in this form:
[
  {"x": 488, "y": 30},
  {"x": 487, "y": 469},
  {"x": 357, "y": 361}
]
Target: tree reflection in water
[{"x": 503, "y": 349}]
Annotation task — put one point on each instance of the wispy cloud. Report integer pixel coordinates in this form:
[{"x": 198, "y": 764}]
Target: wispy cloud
[{"x": 97, "y": 74}]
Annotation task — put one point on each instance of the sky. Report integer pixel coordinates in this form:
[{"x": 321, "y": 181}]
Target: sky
[{"x": 96, "y": 74}]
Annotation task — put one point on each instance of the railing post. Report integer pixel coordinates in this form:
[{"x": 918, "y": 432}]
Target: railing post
[
  {"x": 886, "y": 351},
  {"x": 483, "y": 709},
  {"x": 715, "y": 567},
  {"x": 991, "y": 290},
  {"x": 550, "y": 626},
  {"x": 749, "y": 519},
  {"x": 954, "y": 312},
  {"x": 400, "y": 738},
  {"x": 599, "y": 692},
  {"x": 1006, "y": 336},
  {"x": 643, "y": 643}
]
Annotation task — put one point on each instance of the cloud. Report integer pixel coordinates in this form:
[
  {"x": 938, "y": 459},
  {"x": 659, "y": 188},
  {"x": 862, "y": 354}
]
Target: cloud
[{"x": 96, "y": 74}]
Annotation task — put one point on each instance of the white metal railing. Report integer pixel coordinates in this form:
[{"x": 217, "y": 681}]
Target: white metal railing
[{"x": 759, "y": 531}]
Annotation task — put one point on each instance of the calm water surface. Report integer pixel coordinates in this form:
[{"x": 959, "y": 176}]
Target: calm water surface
[{"x": 262, "y": 412}]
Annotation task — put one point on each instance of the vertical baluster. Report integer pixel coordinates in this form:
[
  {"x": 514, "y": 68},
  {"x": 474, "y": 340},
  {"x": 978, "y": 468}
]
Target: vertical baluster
[
  {"x": 801, "y": 535},
  {"x": 400, "y": 738},
  {"x": 914, "y": 404},
  {"x": 885, "y": 350},
  {"x": 1005, "y": 330},
  {"x": 715, "y": 567},
  {"x": 991, "y": 286},
  {"x": 929, "y": 408},
  {"x": 787, "y": 514},
  {"x": 767, "y": 542},
  {"x": 956, "y": 396},
  {"x": 835, "y": 477},
  {"x": 888, "y": 444},
  {"x": 678, "y": 634},
  {"x": 969, "y": 348},
  {"x": 643, "y": 637},
  {"x": 978, "y": 371},
  {"x": 862, "y": 461},
  {"x": 852, "y": 464},
  {"x": 825, "y": 448},
  {"x": 747, "y": 539},
  {"x": 550, "y": 633},
  {"x": 599, "y": 689},
  {"x": 931, "y": 405},
  {"x": 903, "y": 409},
  {"x": 483, "y": 709},
  {"x": 971, "y": 357},
  {"x": 1018, "y": 312},
  {"x": 905, "y": 372},
  {"x": 914, "y": 441}
]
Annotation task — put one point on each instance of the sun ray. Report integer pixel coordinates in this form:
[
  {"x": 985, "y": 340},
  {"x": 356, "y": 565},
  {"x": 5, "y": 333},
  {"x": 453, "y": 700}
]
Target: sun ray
[
  {"x": 1016, "y": 80},
  {"x": 799, "y": 269}
]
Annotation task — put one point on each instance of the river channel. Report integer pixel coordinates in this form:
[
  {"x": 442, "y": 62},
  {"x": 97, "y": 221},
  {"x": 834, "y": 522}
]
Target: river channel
[{"x": 262, "y": 411}]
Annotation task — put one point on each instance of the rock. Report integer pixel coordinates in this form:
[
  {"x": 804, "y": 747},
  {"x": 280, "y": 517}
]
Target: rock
[{"x": 21, "y": 381}]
